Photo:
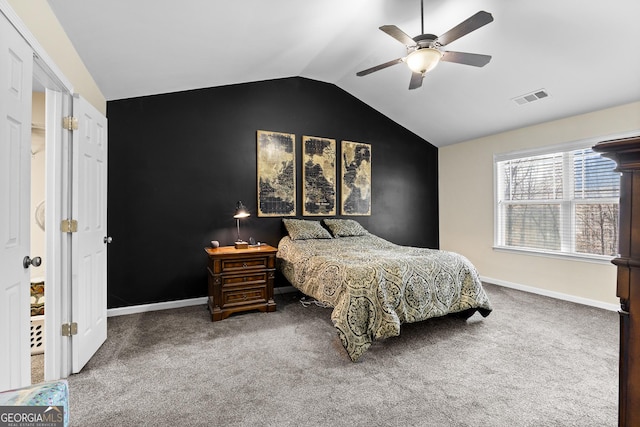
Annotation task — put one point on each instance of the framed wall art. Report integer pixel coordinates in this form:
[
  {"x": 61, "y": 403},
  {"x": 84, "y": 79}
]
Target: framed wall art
[
  {"x": 318, "y": 176},
  {"x": 276, "y": 173},
  {"x": 356, "y": 178}
]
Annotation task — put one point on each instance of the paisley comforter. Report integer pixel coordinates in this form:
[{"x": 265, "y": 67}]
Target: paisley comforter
[{"x": 374, "y": 285}]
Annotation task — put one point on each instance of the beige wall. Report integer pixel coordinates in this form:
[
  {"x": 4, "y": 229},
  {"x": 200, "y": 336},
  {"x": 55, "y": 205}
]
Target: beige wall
[
  {"x": 466, "y": 206},
  {"x": 43, "y": 24}
]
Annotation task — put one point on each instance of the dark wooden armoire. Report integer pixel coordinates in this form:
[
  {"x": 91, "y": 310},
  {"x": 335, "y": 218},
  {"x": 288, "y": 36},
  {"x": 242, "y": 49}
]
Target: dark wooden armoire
[{"x": 626, "y": 153}]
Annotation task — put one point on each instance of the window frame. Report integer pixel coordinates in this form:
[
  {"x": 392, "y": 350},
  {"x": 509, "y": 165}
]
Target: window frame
[{"x": 567, "y": 209}]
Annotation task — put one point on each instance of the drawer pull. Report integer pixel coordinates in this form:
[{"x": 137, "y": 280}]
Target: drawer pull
[
  {"x": 244, "y": 265},
  {"x": 244, "y": 297}
]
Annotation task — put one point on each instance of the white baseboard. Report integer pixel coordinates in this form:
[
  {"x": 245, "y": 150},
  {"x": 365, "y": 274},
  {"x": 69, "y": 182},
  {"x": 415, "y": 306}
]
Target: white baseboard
[
  {"x": 121, "y": 311},
  {"x": 552, "y": 294}
]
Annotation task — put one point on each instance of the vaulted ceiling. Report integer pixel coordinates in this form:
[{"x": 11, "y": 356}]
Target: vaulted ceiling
[{"x": 583, "y": 54}]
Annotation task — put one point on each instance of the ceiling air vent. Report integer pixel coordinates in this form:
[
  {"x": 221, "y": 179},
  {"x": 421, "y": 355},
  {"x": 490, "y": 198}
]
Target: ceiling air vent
[{"x": 530, "y": 97}]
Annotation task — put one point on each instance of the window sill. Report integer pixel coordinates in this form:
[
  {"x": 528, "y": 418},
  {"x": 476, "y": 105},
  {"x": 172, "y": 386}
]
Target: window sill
[{"x": 596, "y": 259}]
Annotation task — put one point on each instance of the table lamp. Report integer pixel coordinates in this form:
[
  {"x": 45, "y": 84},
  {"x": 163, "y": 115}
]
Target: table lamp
[{"x": 241, "y": 212}]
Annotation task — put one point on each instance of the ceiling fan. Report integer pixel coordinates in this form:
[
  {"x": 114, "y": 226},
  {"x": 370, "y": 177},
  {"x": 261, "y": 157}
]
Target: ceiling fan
[{"x": 425, "y": 51}]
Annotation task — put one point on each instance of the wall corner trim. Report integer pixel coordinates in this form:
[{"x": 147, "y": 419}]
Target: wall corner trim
[{"x": 551, "y": 294}]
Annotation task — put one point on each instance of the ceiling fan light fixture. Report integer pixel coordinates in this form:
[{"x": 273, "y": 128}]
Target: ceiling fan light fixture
[{"x": 423, "y": 60}]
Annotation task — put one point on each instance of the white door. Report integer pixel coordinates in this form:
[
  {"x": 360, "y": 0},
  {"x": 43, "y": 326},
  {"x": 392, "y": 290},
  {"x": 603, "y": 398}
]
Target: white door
[
  {"x": 16, "y": 62},
  {"x": 89, "y": 246}
]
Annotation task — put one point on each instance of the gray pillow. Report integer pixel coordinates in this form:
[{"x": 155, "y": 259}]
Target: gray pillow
[
  {"x": 300, "y": 229},
  {"x": 344, "y": 227}
]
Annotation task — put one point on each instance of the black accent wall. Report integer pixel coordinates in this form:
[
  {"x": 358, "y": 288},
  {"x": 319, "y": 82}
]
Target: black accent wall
[{"x": 179, "y": 162}]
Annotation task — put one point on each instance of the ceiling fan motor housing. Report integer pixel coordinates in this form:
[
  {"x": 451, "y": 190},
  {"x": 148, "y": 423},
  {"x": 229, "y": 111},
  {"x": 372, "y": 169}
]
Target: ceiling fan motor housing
[{"x": 426, "y": 40}]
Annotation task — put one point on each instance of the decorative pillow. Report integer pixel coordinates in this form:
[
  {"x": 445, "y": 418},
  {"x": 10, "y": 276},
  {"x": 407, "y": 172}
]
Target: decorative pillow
[
  {"x": 300, "y": 229},
  {"x": 344, "y": 227}
]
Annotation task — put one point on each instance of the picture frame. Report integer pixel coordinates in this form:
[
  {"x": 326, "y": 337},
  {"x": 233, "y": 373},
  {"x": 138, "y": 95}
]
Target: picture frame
[
  {"x": 356, "y": 178},
  {"x": 318, "y": 176},
  {"x": 276, "y": 173}
]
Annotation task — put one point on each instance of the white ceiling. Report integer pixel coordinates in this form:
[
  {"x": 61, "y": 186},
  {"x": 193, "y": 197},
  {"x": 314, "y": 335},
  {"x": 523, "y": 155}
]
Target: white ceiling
[{"x": 583, "y": 53}]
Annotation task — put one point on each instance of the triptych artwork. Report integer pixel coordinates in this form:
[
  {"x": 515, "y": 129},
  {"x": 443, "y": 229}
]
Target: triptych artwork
[{"x": 276, "y": 153}]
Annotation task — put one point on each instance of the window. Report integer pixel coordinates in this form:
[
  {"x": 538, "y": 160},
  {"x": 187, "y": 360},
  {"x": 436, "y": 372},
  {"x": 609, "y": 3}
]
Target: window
[{"x": 562, "y": 202}]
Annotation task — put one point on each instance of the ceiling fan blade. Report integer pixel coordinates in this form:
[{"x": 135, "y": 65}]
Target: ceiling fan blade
[
  {"x": 398, "y": 34},
  {"x": 478, "y": 20},
  {"x": 474, "y": 59},
  {"x": 378, "y": 67},
  {"x": 416, "y": 80}
]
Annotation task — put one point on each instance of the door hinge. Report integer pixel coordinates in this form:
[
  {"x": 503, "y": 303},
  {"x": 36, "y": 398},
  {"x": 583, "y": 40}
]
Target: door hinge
[
  {"x": 69, "y": 226},
  {"x": 69, "y": 329},
  {"x": 70, "y": 123}
]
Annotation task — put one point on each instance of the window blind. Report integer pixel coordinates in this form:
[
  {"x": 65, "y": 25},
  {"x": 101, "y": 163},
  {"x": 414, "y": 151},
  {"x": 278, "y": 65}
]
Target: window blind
[{"x": 565, "y": 201}]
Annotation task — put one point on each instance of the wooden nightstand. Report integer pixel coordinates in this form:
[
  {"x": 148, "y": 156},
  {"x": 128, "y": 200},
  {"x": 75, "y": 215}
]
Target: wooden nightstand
[{"x": 240, "y": 280}]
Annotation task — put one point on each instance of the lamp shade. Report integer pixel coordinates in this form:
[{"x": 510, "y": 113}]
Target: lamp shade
[
  {"x": 241, "y": 211},
  {"x": 423, "y": 60}
]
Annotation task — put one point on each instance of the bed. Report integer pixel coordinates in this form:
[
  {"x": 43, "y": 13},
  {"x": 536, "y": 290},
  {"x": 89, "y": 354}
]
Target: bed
[{"x": 374, "y": 285}]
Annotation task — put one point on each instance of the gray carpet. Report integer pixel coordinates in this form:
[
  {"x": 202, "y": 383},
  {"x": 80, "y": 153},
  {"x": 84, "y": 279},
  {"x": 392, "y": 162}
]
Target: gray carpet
[
  {"x": 534, "y": 361},
  {"x": 37, "y": 368}
]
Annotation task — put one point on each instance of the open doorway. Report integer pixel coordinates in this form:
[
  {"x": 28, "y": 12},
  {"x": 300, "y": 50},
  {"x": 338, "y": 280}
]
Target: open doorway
[
  {"x": 49, "y": 202},
  {"x": 37, "y": 228}
]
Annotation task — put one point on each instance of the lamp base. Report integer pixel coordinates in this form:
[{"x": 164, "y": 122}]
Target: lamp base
[{"x": 241, "y": 245}]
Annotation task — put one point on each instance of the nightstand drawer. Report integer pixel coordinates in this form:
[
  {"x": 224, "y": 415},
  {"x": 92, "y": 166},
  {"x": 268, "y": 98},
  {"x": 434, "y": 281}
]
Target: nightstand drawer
[
  {"x": 244, "y": 296},
  {"x": 238, "y": 264},
  {"x": 245, "y": 279}
]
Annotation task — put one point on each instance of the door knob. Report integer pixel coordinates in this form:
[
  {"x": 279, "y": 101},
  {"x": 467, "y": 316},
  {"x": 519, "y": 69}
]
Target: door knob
[
  {"x": 107, "y": 239},
  {"x": 26, "y": 261}
]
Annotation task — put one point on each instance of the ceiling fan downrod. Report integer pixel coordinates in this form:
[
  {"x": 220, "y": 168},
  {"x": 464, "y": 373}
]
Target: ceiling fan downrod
[{"x": 421, "y": 16}]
